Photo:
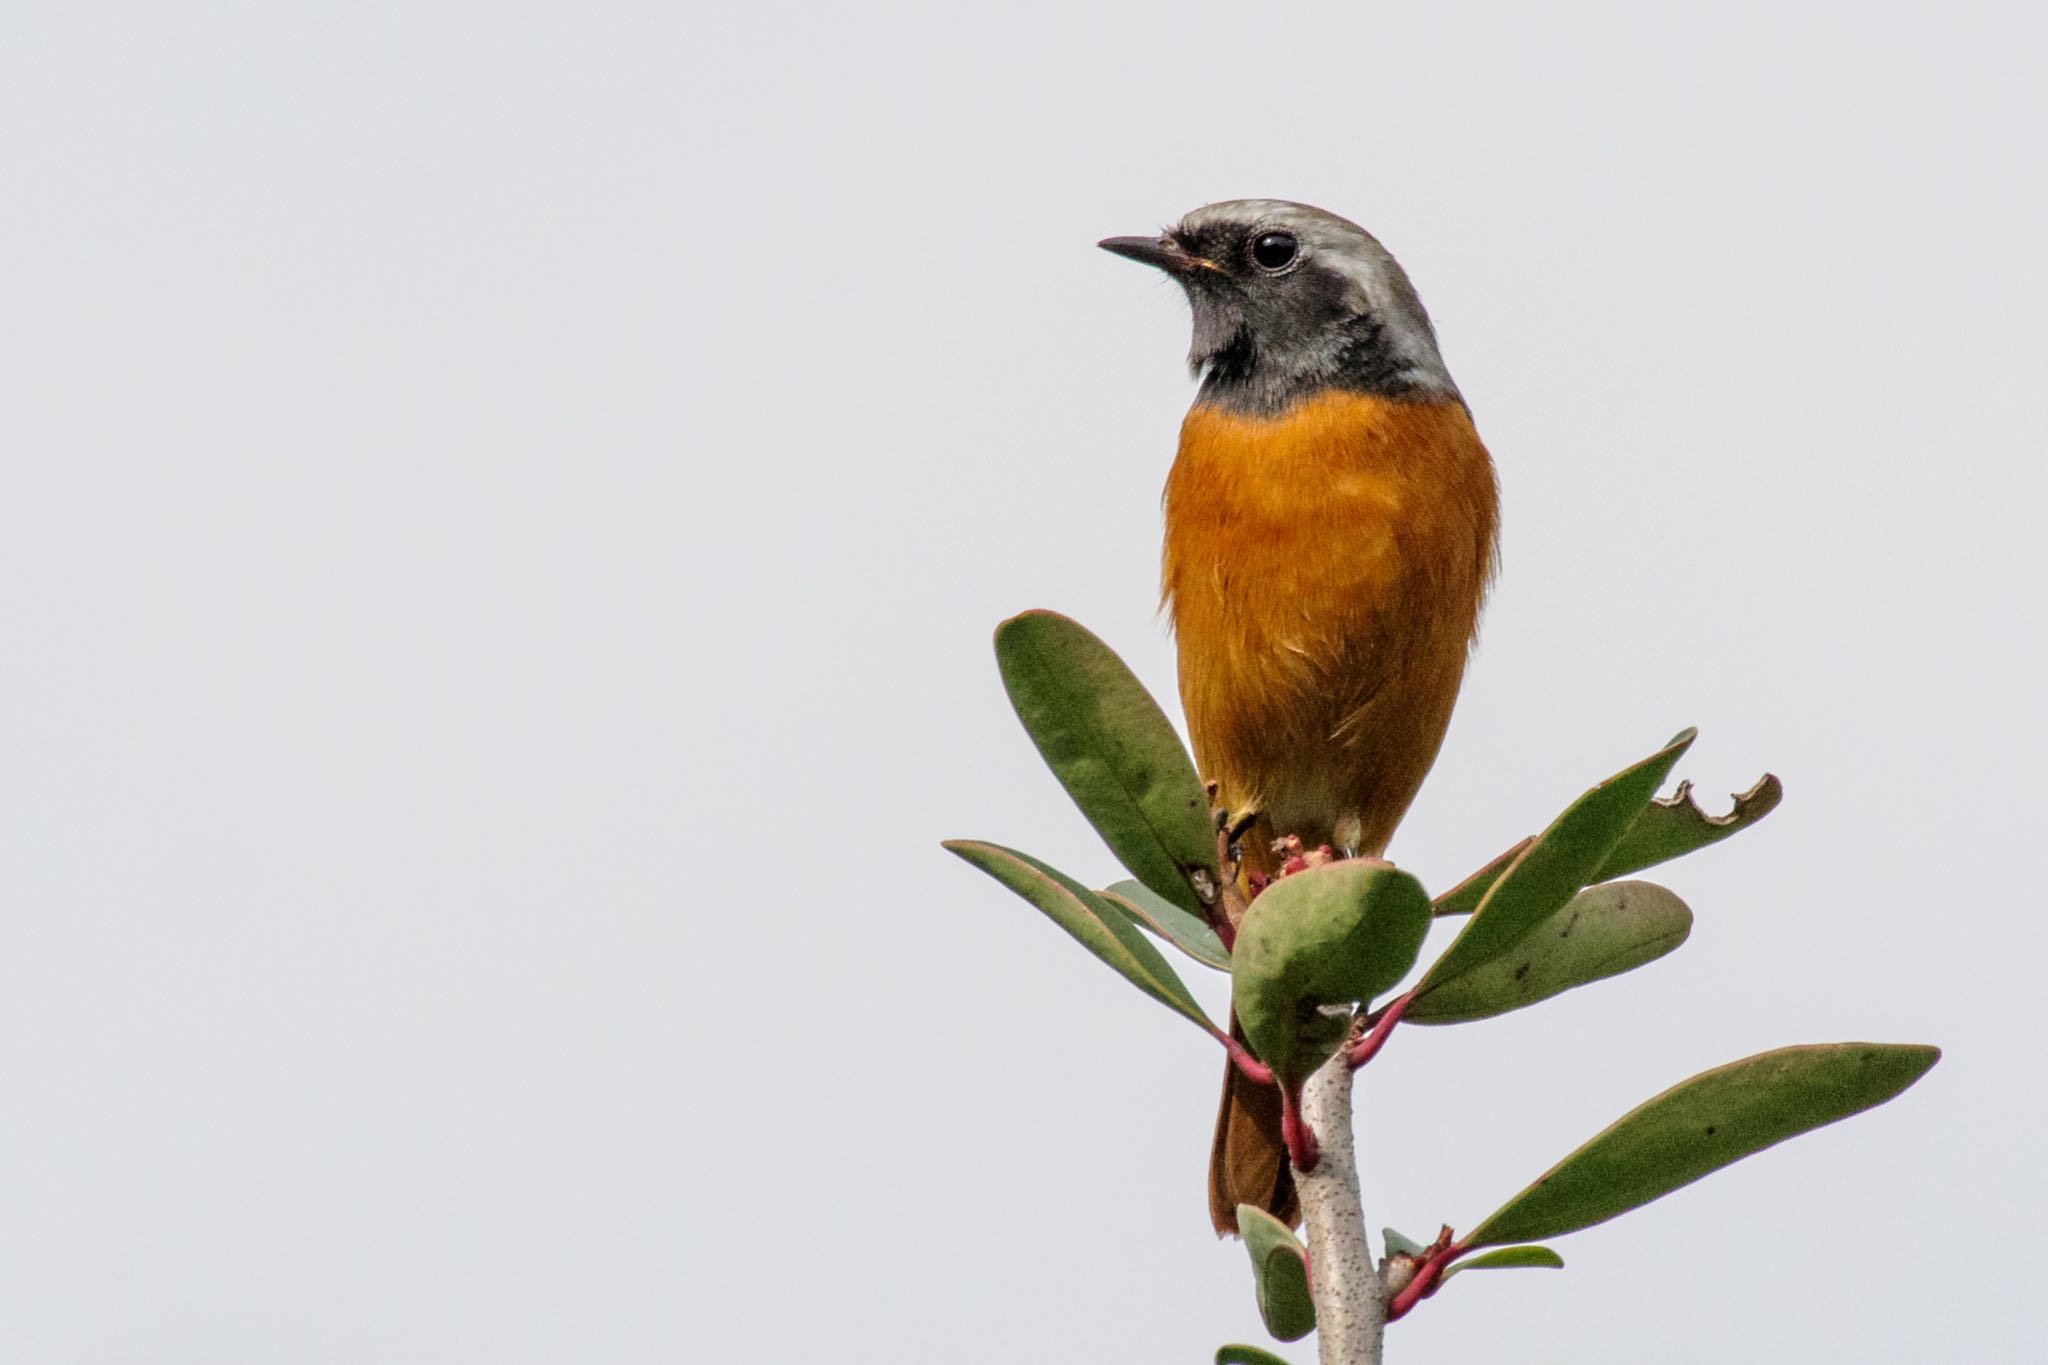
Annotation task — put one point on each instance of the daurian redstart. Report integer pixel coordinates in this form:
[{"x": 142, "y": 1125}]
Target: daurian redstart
[{"x": 1330, "y": 533}]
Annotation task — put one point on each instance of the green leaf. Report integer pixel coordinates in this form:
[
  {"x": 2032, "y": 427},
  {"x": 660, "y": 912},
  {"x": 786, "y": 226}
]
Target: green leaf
[
  {"x": 1187, "y": 932},
  {"x": 1246, "y": 1355},
  {"x": 1675, "y": 826},
  {"x": 1464, "y": 898},
  {"x": 1335, "y": 934},
  {"x": 1114, "y": 751},
  {"x": 1280, "y": 1269},
  {"x": 1397, "y": 1245},
  {"x": 1603, "y": 931},
  {"x": 1701, "y": 1125},
  {"x": 1100, "y": 926},
  {"x": 1551, "y": 870},
  {"x": 1510, "y": 1257}
]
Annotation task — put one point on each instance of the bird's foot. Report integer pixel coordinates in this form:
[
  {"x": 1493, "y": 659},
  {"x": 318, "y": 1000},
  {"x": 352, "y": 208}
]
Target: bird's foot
[
  {"x": 1348, "y": 834},
  {"x": 1230, "y": 900}
]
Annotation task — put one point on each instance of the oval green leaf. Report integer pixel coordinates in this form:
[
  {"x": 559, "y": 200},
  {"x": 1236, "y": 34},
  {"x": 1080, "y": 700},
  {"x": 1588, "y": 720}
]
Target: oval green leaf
[
  {"x": 1113, "y": 749},
  {"x": 1400, "y": 1245},
  {"x": 1699, "y": 1126},
  {"x": 1238, "y": 1354},
  {"x": 1336, "y": 934},
  {"x": 1508, "y": 1258},
  {"x": 1280, "y": 1270},
  {"x": 1601, "y": 932},
  {"x": 1551, "y": 870},
  {"x": 1464, "y": 898},
  {"x": 1100, "y": 927},
  {"x": 1187, "y": 932}
]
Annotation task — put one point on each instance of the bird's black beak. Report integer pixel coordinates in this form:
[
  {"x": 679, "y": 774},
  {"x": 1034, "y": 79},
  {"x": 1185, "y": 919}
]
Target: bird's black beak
[{"x": 1163, "y": 252}]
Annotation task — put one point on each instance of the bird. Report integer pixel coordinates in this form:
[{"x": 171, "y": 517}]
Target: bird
[{"x": 1331, "y": 534}]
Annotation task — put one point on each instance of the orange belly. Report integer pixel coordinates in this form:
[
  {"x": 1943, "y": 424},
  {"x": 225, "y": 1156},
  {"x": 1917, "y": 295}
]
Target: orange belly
[{"x": 1325, "y": 570}]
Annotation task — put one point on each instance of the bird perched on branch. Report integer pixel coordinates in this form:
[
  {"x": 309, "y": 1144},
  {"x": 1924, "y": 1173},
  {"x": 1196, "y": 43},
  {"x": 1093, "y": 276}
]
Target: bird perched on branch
[{"x": 1330, "y": 533}]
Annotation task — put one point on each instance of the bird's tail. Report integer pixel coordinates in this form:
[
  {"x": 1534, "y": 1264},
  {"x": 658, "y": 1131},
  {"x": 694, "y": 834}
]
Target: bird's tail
[
  {"x": 1248, "y": 1163},
  {"x": 1248, "y": 1160}
]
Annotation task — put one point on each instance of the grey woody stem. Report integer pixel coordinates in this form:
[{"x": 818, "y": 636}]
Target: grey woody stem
[{"x": 1351, "y": 1300}]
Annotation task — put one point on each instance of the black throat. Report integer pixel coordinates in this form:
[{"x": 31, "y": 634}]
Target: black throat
[{"x": 1350, "y": 354}]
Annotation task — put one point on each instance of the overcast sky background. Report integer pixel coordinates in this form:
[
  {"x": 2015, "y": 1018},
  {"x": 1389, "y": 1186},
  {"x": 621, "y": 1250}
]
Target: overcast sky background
[{"x": 505, "y": 505}]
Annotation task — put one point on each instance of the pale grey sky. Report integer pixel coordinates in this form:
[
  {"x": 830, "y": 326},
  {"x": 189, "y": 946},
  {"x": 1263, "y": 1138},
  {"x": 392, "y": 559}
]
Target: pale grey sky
[{"x": 505, "y": 507}]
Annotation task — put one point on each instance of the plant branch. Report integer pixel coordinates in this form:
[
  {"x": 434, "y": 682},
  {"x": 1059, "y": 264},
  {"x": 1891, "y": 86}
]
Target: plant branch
[
  {"x": 1382, "y": 1021},
  {"x": 1254, "y": 1070},
  {"x": 1427, "y": 1277},
  {"x": 1350, "y": 1299}
]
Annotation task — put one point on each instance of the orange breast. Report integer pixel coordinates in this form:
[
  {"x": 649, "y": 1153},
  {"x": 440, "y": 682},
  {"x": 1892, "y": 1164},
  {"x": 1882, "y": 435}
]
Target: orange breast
[{"x": 1325, "y": 569}]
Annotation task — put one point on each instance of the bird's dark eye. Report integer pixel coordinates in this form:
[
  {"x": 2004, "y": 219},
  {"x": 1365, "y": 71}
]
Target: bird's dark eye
[{"x": 1273, "y": 250}]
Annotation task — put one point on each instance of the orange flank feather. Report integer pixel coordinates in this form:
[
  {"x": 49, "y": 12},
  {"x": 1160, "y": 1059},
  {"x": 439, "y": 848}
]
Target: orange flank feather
[{"x": 1324, "y": 569}]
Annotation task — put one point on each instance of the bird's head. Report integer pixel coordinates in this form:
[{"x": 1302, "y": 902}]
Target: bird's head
[{"x": 1290, "y": 301}]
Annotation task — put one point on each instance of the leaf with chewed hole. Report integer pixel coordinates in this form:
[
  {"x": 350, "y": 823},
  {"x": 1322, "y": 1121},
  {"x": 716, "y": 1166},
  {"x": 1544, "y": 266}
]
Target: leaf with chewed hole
[
  {"x": 1601, "y": 932},
  {"x": 1552, "y": 870},
  {"x": 1114, "y": 751},
  {"x": 1700, "y": 1125},
  {"x": 1333, "y": 935},
  {"x": 1099, "y": 926},
  {"x": 1184, "y": 931},
  {"x": 1280, "y": 1270},
  {"x": 1674, "y": 826},
  {"x": 1670, "y": 827}
]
